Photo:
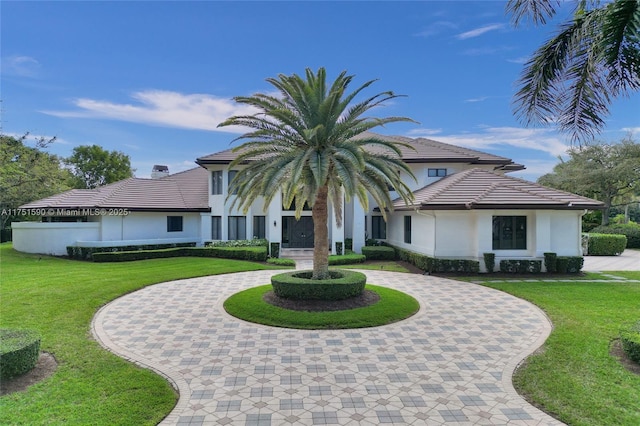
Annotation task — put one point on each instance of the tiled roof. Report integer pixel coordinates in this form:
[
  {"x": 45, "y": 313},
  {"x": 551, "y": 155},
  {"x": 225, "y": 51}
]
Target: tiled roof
[
  {"x": 184, "y": 191},
  {"x": 482, "y": 189},
  {"x": 425, "y": 151}
]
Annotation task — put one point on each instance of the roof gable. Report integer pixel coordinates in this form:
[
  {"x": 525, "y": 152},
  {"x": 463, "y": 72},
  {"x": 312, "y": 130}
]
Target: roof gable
[
  {"x": 187, "y": 191},
  {"x": 424, "y": 151},
  {"x": 482, "y": 189}
]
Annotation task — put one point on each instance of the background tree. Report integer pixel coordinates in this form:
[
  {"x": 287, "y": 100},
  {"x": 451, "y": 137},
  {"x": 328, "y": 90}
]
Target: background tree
[
  {"x": 601, "y": 171},
  {"x": 573, "y": 77},
  {"x": 304, "y": 146},
  {"x": 27, "y": 174},
  {"x": 93, "y": 166}
]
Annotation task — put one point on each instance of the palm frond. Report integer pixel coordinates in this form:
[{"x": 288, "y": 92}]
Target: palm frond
[{"x": 537, "y": 11}]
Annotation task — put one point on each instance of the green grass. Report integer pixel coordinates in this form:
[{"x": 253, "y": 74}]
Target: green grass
[
  {"x": 58, "y": 298},
  {"x": 574, "y": 378},
  {"x": 393, "y": 306}
]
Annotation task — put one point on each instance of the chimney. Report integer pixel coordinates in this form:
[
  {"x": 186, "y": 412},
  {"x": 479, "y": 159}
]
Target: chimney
[{"x": 159, "y": 171}]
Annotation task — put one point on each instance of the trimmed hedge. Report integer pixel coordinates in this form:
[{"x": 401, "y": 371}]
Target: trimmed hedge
[
  {"x": 256, "y": 242},
  {"x": 629, "y": 230},
  {"x": 630, "y": 338},
  {"x": 606, "y": 244},
  {"x": 298, "y": 285},
  {"x": 379, "y": 252},
  {"x": 489, "y": 261},
  {"x": 19, "y": 351},
  {"x": 569, "y": 264},
  {"x": 275, "y": 250},
  {"x": 256, "y": 254},
  {"x": 520, "y": 266},
  {"x": 281, "y": 261},
  {"x": 86, "y": 253},
  {"x": 346, "y": 259},
  {"x": 550, "y": 261},
  {"x": 431, "y": 264}
]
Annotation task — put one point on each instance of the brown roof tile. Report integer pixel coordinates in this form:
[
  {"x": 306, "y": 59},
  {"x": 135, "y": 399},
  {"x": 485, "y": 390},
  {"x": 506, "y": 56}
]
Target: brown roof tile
[
  {"x": 482, "y": 189},
  {"x": 187, "y": 191},
  {"x": 425, "y": 151}
]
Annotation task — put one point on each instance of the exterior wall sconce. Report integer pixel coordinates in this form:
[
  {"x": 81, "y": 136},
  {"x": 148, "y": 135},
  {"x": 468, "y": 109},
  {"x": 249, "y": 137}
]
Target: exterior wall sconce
[{"x": 274, "y": 223}]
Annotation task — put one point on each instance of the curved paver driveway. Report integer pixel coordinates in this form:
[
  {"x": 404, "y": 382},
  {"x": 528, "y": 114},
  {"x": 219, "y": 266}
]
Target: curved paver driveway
[{"x": 450, "y": 363}]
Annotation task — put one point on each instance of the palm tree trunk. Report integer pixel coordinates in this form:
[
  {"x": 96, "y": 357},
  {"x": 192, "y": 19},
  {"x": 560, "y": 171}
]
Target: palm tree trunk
[{"x": 320, "y": 235}]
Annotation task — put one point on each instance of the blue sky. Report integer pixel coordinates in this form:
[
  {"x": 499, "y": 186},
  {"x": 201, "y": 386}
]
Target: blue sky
[{"x": 153, "y": 79}]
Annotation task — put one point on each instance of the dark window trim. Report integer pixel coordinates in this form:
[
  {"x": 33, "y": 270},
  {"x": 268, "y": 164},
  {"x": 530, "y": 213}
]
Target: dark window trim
[
  {"x": 175, "y": 223},
  {"x": 407, "y": 229},
  {"x": 509, "y": 232},
  {"x": 436, "y": 172}
]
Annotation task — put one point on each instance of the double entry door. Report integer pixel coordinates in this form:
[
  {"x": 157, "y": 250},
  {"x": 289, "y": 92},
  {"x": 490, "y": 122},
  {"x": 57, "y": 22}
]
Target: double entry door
[{"x": 297, "y": 233}]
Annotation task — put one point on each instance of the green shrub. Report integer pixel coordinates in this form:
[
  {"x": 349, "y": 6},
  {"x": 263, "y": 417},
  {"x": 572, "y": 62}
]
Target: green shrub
[
  {"x": 298, "y": 285},
  {"x": 256, "y": 242},
  {"x": 251, "y": 253},
  {"x": 606, "y": 244},
  {"x": 346, "y": 259},
  {"x": 431, "y": 264},
  {"x": 629, "y": 230},
  {"x": 19, "y": 351},
  {"x": 348, "y": 244},
  {"x": 569, "y": 264},
  {"x": 550, "y": 261},
  {"x": 275, "y": 249},
  {"x": 520, "y": 266},
  {"x": 630, "y": 338},
  {"x": 379, "y": 253},
  {"x": 489, "y": 261},
  {"x": 86, "y": 253},
  {"x": 339, "y": 248},
  {"x": 281, "y": 261}
]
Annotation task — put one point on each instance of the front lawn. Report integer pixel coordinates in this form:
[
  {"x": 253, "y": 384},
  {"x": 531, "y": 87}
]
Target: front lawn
[
  {"x": 59, "y": 297},
  {"x": 574, "y": 377}
]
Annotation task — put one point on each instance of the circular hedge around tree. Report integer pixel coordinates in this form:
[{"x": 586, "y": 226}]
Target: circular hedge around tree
[
  {"x": 298, "y": 285},
  {"x": 19, "y": 351}
]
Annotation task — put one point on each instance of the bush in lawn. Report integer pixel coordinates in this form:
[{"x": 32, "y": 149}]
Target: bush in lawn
[
  {"x": 339, "y": 248},
  {"x": 256, "y": 242},
  {"x": 281, "y": 261},
  {"x": 346, "y": 259},
  {"x": 629, "y": 230},
  {"x": 19, "y": 351},
  {"x": 348, "y": 244},
  {"x": 275, "y": 249},
  {"x": 298, "y": 285},
  {"x": 86, "y": 253},
  {"x": 250, "y": 253},
  {"x": 630, "y": 337},
  {"x": 379, "y": 252},
  {"x": 569, "y": 264},
  {"x": 520, "y": 266},
  {"x": 550, "y": 261},
  {"x": 489, "y": 261},
  {"x": 606, "y": 244}
]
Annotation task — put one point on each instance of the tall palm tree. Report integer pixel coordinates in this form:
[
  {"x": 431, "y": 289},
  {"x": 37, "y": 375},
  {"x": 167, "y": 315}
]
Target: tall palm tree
[
  {"x": 573, "y": 77},
  {"x": 307, "y": 144}
]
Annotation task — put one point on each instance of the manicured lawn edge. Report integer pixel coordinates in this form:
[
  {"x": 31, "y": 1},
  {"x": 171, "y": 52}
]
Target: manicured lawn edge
[{"x": 393, "y": 306}]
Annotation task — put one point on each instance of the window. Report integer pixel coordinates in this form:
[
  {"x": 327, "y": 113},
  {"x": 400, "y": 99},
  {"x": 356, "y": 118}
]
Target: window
[
  {"x": 437, "y": 172},
  {"x": 407, "y": 229},
  {"x": 216, "y": 182},
  {"x": 216, "y": 227},
  {"x": 237, "y": 228},
  {"x": 259, "y": 223},
  {"x": 378, "y": 228},
  {"x": 232, "y": 175},
  {"x": 174, "y": 223},
  {"x": 509, "y": 232}
]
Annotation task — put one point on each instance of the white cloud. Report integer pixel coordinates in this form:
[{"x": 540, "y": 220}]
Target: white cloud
[
  {"x": 632, "y": 130},
  {"x": 495, "y": 138},
  {"x": 416, "y": 133},
  {"x": 535, "y": 169},
  {"x": 436, "y": 28},
  {"x": 480, "y": 99},
  {"x": 521, "y": 60},
  {"x": 479, "y": 31},
  {"x": 23, "y": 66},
  {"x": 32, "y": 139},
  {"x": 164, "y": 108}
]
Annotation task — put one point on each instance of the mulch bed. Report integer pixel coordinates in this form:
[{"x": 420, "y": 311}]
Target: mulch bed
[{"x": 367, "y": 298}]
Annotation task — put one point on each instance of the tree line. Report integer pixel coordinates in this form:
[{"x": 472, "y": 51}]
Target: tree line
[{"x": 29, "y": 173}]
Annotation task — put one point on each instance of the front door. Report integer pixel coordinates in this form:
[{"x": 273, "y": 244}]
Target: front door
[{"x": 297, "y": 233}]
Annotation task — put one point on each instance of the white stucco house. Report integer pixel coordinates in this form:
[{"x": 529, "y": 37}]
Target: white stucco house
[{"x": 465, "y": 205}]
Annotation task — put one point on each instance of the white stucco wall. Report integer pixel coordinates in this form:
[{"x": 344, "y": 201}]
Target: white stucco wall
[{"x": 52, "y": 238}]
